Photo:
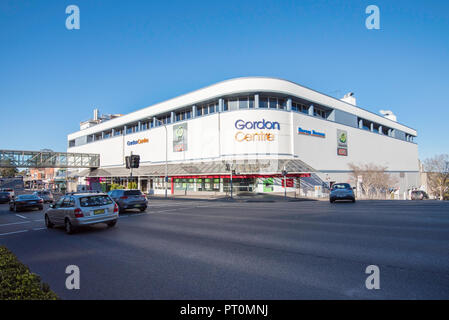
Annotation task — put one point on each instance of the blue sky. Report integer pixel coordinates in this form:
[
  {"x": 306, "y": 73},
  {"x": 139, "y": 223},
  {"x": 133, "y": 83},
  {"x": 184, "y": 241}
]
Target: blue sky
[{"x": 131, "y": 54}]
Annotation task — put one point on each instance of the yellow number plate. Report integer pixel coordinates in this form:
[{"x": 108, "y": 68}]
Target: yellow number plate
[{"x": 99, "y": 211}]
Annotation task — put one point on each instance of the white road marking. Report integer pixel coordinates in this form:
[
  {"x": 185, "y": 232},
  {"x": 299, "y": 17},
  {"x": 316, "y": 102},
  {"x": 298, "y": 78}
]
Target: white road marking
[
  {"x": 12, "y": 223},
  {"x": 8, "y": 233},
  {"x": 36, "y": 229},
  {"x": 21, "y": 216}
]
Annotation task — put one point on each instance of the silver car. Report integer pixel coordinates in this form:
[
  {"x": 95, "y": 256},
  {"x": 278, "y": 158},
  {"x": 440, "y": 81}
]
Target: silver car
[
  {"x": 82, "y": 209},
  {"x": 129, "y": 199},
  {"x": 341, "y": 191},
  {"x": 47, "y": 196}
]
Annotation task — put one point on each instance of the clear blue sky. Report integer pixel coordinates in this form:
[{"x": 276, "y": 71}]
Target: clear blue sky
[{"x": 131, "y": 54}]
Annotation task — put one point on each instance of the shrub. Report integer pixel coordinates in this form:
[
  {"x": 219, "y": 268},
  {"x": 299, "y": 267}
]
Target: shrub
[
  {"x": 116, "y": 186},
  {"x": 132, "y": 185},
  {"x": 18, "y": 283}
]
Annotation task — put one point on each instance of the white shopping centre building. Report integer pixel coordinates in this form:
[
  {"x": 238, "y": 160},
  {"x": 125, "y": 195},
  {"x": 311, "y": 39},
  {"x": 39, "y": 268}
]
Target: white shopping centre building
[{"x": 257, "y": 127}]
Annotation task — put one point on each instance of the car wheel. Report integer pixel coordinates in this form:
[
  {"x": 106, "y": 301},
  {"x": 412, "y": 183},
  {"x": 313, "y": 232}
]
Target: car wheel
[
  {"x": 353, "y": 200},
  {"x": 41, "y": 208},
  {"x": 112, "y": 223},
  {"x": 16, "y": 209},
  {"x": 11, "y": 208},
  {"x": 68, "y": 226},
  {"x": 331, "y": 200},
  {"x": 48, "y": 223},
  {"x": 143, "y": 209}
]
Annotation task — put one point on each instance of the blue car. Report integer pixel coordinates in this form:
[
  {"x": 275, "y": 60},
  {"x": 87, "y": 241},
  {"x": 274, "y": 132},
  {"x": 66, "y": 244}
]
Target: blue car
[{"x": 341, "y": 191}]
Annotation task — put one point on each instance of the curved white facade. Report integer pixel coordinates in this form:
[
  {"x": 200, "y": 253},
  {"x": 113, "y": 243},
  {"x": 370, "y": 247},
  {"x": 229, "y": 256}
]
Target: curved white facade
[{"x": 254, "y": 133}]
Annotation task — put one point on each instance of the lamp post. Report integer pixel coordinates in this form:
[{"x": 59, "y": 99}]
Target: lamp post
[{"x": 166, "y": 157}]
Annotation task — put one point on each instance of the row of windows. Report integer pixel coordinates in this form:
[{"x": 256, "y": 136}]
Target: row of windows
[
  {"x": 384, "y": 130},
  {"x": 230, "y": 104}
]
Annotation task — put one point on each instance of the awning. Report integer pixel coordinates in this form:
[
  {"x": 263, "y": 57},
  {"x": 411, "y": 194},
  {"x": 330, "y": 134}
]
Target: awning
[{"x": 242, "y": 167}]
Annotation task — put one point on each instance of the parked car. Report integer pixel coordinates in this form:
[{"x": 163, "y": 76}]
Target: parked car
[
  {"x": 129, "y": 199},
  {"x": 47, "y": 196},
  {"x": 341, "y": 191},
  {"x": 82, "y": 209},
  {"x": 26, "y": 201},
  {"x": 11, "y": 191},
  {"x": 4, "y": 197},
  {"x": 419, "y": 195}
]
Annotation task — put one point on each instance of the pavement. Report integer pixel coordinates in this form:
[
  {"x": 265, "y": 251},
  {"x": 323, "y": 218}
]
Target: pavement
[{"x": 191, "y": 249}]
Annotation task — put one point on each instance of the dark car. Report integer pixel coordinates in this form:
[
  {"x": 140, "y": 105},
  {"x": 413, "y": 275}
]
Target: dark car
[
  {"x": 47, "y": 196},
  {"x": 26, "y": 202},
  {"x": 341, "y": 191},
  {"x": 129, "y": 199},
  {"x": 5, "y": 197},
  {"x": 419, "y": 195}
]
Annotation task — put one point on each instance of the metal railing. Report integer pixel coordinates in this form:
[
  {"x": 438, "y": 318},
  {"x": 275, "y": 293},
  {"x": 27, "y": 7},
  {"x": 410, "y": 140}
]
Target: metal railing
[{"x": 47, "y": 159}]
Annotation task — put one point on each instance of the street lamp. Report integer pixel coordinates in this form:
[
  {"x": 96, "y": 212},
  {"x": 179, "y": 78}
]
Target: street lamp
[{"x": 166, "y": 156}]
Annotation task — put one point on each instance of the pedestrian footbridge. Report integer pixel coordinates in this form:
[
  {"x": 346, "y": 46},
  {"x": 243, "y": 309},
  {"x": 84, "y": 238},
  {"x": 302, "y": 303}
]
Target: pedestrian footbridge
[{"x": 47, "y": 159}]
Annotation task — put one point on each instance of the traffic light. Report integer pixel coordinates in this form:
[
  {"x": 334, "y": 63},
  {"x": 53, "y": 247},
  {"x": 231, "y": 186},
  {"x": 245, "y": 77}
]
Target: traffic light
[
  {"x": 132, "y": 161},
  {"x": 135, "y": 161}
]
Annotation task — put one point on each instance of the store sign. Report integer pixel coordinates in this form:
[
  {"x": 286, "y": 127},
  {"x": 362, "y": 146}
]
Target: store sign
[
  {"x": 263, "y": 124},
  {"x": 312, "y": 133},
  {"x": 139, "y": 141},
  {"x": 342, "y": 142},
  {"x": 180, "y": 137}
]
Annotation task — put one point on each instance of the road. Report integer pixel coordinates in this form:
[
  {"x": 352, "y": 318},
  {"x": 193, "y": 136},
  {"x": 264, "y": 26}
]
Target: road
[{"x": 232, "y": 250}]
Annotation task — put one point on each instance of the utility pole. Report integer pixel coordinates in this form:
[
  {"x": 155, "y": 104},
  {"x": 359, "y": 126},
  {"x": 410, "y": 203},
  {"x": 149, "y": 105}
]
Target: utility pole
[
  {"x": 284, "y": 173},
  {"x": 166, "y": 157}
]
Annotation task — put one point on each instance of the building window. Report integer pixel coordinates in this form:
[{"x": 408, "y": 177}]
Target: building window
[
  {"x": 107, "y": 134},
  {"x": 71, "y": 143},
  {"x": 282, "y": 104},
  {"x": 251, "y": 102},
  {"x": 319, "y": 113},
  {"x": 273, "y": 103},
  {"x": 263, "y": 103},
  {"x": 243, "y": 103},
  {"x": 233, "y": 104},
  {"x": 118, "y": 132}
]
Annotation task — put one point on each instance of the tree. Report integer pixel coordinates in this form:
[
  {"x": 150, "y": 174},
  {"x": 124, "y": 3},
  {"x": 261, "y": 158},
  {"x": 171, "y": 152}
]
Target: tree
[
  {"x": 8, "y": 171},
  {"x": 437, "y": 169},
  {"x": 375, "y": 181}
]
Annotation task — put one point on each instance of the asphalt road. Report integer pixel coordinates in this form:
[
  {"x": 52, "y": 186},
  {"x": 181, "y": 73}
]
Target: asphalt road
[{"x": 230, "y": 250}]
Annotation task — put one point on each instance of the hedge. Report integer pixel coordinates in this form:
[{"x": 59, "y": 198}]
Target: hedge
[{"x": 18, "y": 283}]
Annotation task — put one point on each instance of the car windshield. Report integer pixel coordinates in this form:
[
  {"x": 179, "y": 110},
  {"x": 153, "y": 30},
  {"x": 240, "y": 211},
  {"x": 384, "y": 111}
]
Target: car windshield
[
  {"x": 27, "y": 197},
  {"x": 133, "y": 193},
  {"x": 93, "y": 201},
  {"x": 341, "y": 186}
]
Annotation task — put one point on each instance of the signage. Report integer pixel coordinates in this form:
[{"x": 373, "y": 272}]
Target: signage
[
  {"x": 312, "y": 133},
  {"x": 342, "y": 152},
  {"x": 263, "y": 124},
  {"x": 180, "y": 137},
  {"x": 342, "y": 143},
  {"x": 139, "y": 141}
]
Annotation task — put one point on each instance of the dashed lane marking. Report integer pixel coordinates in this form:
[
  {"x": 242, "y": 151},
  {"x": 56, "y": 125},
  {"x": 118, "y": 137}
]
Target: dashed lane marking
[
  {"x": 14, "y": 232},
  {"x": 20, "y": 216},
  {"x": 13, "y": 223}
]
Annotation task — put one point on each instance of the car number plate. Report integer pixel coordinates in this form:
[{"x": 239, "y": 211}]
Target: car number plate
[{"x": 99, "y": 211}]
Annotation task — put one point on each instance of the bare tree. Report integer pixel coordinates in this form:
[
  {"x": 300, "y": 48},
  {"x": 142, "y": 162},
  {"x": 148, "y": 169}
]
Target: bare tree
[
  {"x": 437, "y": 169},
  {"x": 375, "y": 181}
]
